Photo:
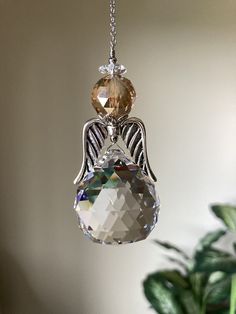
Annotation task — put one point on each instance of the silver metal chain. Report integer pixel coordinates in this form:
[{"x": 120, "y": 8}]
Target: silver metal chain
[
  {"x": 113, "y": 68},
  {"x": 112, "y": 57}
]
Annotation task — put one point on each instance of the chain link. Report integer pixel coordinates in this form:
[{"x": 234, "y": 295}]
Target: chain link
[{"x": 112, "y": 58}]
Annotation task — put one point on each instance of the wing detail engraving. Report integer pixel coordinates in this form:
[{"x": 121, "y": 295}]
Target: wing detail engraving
[
  {"x": 133, "y": 134},
  {"x": 94, "y": 136}
]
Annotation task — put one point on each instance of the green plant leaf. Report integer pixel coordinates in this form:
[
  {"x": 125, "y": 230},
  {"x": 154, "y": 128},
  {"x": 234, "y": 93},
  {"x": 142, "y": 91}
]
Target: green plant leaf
[
  {"x": 234, "y": 246},
  {"x": 233, "y": 295},
  {"x": 212, "y": 260},
  {"x": 172, "y": 247},
  {"x": 190, "y": 305},
  {"x": 178, "y": 262},
  {"x": 169, "y": 292},
  {"x": 198, "y": 283},
  {"x": 161, "y": 297},
  {"x": 205, "y": 288},
  {"x": 209, "y": 239},
  {"x": 218, "y": 309},
  {"x": 227, "y": 214},
  {"x": 217, "y": 290},
  {"x": 205, "y": 254}
]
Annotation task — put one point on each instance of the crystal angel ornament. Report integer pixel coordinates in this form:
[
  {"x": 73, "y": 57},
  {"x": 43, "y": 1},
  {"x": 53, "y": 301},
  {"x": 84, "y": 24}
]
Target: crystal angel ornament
[{"x": 116, "y": 201}]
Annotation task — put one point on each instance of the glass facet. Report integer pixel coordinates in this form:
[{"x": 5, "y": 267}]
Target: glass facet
[
  {"x": 117, "y": 202},
  {"x": 113, "y": 95}
]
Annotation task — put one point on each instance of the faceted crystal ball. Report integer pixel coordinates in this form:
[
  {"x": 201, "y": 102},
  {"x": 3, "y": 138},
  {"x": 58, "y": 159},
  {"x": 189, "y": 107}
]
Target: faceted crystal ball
[
  {"x": 113, "y": 96},
  {"x": 117, "y": 202}
]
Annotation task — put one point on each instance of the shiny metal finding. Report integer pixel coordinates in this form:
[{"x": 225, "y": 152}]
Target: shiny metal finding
[
  {"x": 113, "y": 42},
  {"x": 131, "y": 130}
]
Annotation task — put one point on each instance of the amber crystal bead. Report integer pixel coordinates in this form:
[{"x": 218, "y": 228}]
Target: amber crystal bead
[{"x": 113, "y": 95}]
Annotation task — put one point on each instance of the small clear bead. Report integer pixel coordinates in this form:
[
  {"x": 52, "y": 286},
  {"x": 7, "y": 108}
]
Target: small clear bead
[{"x": 112, "y": 68}]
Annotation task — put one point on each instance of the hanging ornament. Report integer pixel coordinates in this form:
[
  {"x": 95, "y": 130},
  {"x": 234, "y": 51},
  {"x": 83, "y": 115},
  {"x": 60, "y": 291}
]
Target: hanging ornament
[{"x": 116, "y": 201}]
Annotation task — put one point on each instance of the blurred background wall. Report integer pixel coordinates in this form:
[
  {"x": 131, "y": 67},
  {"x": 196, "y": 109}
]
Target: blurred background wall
[{"x": 181, "y": 57}]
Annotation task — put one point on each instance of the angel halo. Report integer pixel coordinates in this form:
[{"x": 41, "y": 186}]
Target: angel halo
[{"x": 116, "y": 201}]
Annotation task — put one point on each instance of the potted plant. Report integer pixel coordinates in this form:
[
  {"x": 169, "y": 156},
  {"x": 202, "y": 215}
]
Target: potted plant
[{"x": 202, "y": 284}]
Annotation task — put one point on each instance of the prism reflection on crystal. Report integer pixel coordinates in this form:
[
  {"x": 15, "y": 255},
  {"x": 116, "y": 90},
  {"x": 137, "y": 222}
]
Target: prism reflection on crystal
[{"x": 116, "y": 203}]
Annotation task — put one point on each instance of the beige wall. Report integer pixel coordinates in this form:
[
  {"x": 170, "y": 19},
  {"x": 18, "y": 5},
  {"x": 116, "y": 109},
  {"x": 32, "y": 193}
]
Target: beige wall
[{"x": 181, "y": 57}]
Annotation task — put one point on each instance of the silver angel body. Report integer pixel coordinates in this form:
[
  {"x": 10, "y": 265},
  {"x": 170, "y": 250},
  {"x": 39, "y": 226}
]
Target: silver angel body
[{"x": 131, "y": 130}]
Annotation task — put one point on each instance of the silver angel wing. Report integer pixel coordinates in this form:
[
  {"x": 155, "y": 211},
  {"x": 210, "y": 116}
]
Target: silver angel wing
[
  {"x": 133, "y": 134},
  {"x": 94, "y": 136}
]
